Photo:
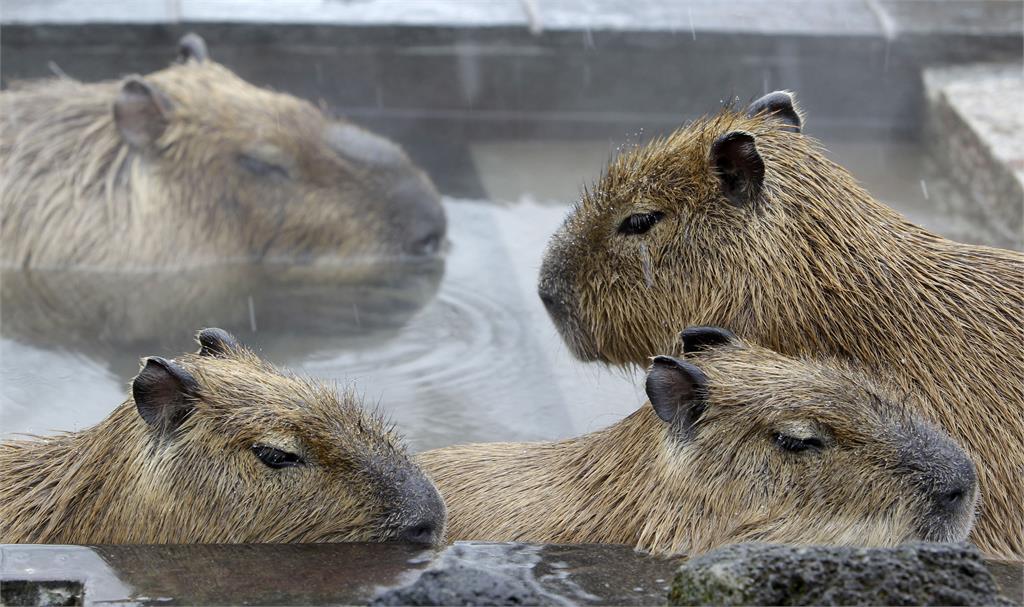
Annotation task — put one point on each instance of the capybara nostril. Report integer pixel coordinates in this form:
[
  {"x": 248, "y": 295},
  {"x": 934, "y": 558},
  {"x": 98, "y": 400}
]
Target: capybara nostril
[
  {"x": 950, "y": 497},
  {"x": 547, "y": 297},
  {"x": 553, "y": 301},
  {"x": 428, "y": 244},
  {"x": 422, "y": 216},
  {"x": 425, "y": 532}
]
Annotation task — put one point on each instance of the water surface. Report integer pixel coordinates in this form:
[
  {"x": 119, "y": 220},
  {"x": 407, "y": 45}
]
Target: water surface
[{"x": 454, "y": 351}]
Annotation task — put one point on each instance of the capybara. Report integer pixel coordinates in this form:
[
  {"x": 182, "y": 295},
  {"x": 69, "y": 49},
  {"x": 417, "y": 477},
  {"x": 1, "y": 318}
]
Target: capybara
[
  {"x": 219, "y": 447},
  {"x": 739, "y": 443},
  {"x": 739, "y": 220},
  {"x": 191, "y": 165}
]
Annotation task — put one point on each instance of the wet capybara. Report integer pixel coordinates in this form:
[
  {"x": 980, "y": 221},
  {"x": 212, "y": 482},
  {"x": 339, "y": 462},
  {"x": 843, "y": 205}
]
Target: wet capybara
[
  {"x": 739, "y": 443},
  {"x": 219, "y": 447},
  {"x": 191, "y": 165},
  {"x": 739, "y": 220}
]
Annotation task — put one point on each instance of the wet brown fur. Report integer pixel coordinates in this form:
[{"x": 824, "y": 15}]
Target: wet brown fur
[
  {"x": 122, "y": 482},
  {"x": 638, "y": 482},
  {"x": 815, "y": 267},
  {"x": 76, "y": 194}
]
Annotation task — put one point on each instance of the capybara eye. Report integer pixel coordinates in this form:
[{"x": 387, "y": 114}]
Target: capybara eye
[
  {"x": 275, "y": 458},
  {"x": 640, "y": 222},
  {"x": 796, "y": 445},
  {"x": 261, "y": 167}
]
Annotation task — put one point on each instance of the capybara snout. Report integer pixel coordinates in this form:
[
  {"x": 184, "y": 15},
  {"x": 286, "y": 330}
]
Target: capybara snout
[
  {"x": 947, "y": 479},
  {"x": 422, "y": 514},
  {"x": 220, "y": 446},
  {"x": 403, "y": 192}
]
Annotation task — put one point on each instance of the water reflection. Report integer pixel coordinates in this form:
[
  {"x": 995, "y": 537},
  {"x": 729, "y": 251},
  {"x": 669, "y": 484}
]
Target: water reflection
[
  {"x": 73, "y": 339},
  {"x": 453, "y": 351}
]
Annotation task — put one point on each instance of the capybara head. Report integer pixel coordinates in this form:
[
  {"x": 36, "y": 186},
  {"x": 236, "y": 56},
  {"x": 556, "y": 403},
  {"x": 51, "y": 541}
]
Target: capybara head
[
  {"x": 722, "y": 222},
  {"x": 242, "y": 452},
  {"x": 268, "y": 175},
  {"x": 763, "y": 447}
]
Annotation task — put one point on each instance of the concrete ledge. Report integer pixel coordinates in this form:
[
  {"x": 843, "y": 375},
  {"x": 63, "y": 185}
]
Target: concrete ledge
[
  {"x": 976, "y": 128},
  {"x": 538, "y": 69}
]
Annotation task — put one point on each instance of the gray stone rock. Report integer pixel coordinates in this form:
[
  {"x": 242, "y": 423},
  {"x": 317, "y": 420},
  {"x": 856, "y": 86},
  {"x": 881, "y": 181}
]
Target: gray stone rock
[
  {"x": 770, "y": 574},
  {"x": 463, "y": 585},
  {"x": 465, "y": 576}
]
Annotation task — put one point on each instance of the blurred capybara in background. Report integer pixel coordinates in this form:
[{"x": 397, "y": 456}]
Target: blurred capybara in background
[
  {"x": 739, "y": 443},
  {"x": 190, "y": 166},
  {"x": 219, "y": 447},
  {"x": 739, "y": 220}
]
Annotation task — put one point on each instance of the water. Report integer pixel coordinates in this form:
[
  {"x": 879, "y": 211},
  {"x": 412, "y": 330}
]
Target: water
[{"x": 454, "y": 351}]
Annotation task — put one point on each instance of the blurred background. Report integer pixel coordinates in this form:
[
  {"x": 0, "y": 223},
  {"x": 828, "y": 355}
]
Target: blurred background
[{"x": 511, "y": 107}]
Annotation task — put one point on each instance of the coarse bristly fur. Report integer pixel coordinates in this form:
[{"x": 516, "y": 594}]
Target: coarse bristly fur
[
  {"x": 126, "y": 481},
  {"x": 813, "y": 265},
  {"x": 642, "y": 482},
  {"x": 233, "y": 172}
]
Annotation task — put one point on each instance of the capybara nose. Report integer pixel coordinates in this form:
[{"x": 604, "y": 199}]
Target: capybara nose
[
  {"x": 426, "y": 224},
  {"x": 952, "y": 499},
  {"x": 552, "y": 300},
  {"x": 428, "y": 243},
  {"x": 423, "y": 532},
  {"x": 423, "y": 513},
  {"x": 955, "y": 492}
]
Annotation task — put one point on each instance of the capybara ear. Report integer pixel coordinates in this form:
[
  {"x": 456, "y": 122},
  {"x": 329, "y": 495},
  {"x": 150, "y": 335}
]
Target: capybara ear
[
  {"x": 738, "y": 165},
  {"x": 192, "y": 47},
  {"x": 216, "y": 343},
  {"x": 141, "y": 112},
  {"x": 695, "y": 339},
  {"x": 678, "y": 392},
  {"x": 164, "y": 393},
  {"x": 781, "y": 106}
]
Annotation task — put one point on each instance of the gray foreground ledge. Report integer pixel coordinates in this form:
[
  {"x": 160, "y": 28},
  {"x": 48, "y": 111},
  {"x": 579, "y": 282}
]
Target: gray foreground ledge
[{"x": 327, "y": 574}]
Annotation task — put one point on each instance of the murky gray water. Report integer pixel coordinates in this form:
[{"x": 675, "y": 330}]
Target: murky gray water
[{"x": 454, "y": 352}]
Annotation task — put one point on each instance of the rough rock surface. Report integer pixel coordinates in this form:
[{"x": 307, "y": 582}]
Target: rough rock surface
[
  {"x": 456, "y": 580},
  {"x": 770, "y": 574}
]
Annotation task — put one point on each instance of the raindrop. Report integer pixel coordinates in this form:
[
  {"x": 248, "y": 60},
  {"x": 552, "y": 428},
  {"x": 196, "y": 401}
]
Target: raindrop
[
  {"x": 588, "y": 40},
  {"x": 252, "y": 315},
  {"x": 924, "y": 189},
  {"x": 693, "y": 30}
]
